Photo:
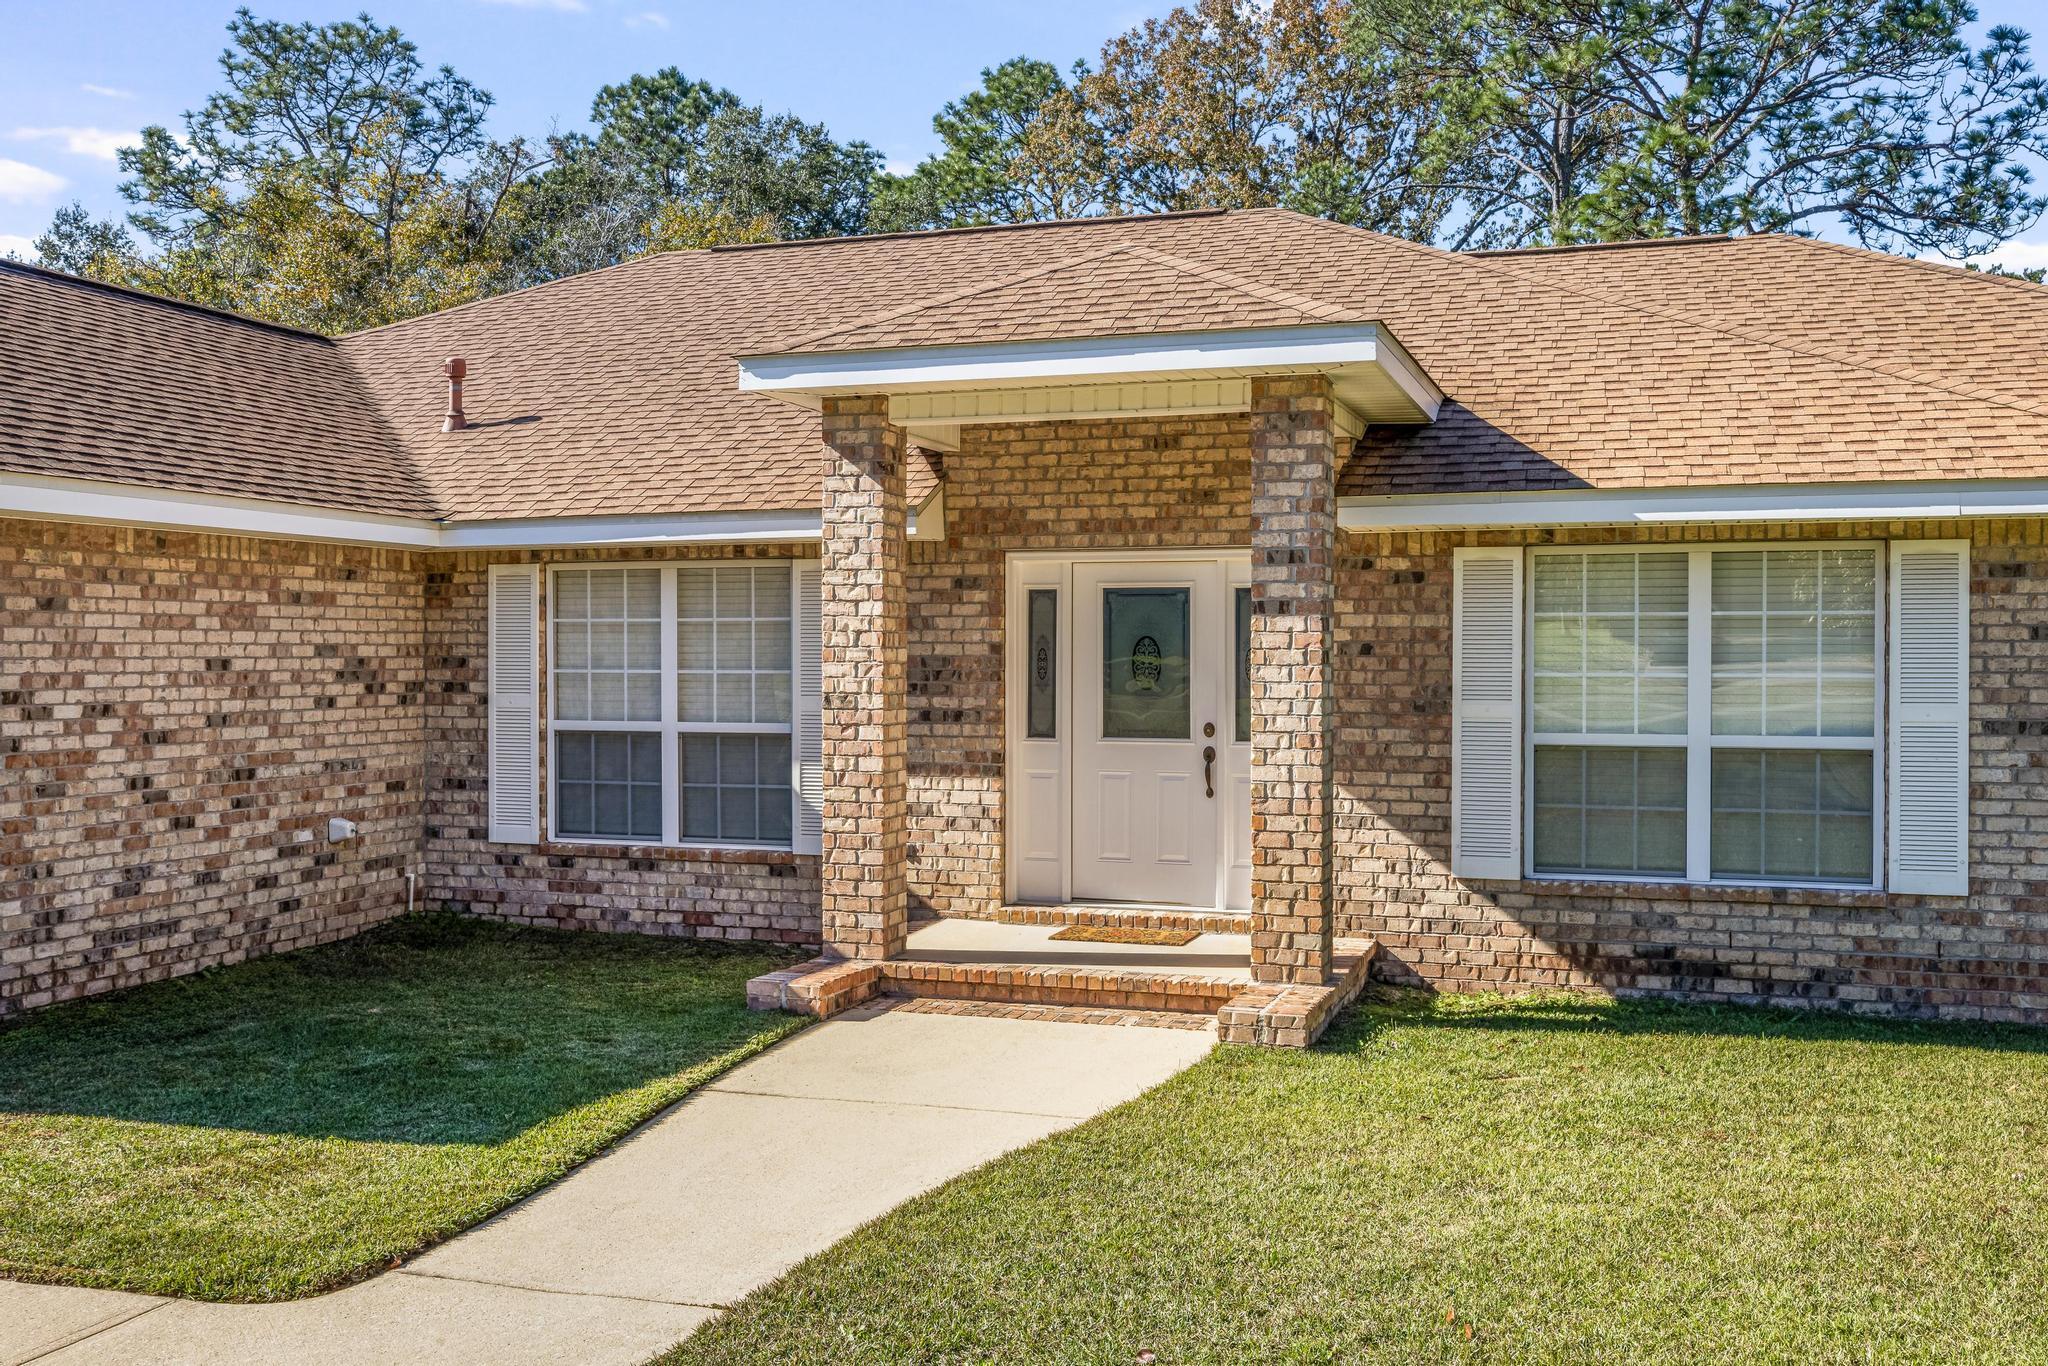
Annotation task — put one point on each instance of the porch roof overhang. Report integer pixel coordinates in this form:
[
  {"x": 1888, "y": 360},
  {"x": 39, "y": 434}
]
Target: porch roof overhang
[{"x": 933, "y": 391}]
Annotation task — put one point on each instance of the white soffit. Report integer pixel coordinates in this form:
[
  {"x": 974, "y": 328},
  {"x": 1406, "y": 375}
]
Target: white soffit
[
  {"x": 1903, "y": 501},
  {"x": 82, "y": 500},
  {"x": 1156, "y": 374}
]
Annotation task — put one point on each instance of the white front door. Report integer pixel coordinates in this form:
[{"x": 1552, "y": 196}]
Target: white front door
[{"x": 1153, "y": 727}]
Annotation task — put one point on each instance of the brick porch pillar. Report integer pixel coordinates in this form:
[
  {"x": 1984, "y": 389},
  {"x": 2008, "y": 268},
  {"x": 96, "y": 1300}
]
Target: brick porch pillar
[
  {"x": 864, "y": 903},
  {"x": 1294, "y": 533}
]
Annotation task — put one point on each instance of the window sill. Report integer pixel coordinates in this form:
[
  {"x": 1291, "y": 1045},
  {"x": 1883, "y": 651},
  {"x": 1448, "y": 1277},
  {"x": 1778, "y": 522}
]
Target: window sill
[
  {"x": 672, "y": 853},
  {"x": 1751, "y": 893}
]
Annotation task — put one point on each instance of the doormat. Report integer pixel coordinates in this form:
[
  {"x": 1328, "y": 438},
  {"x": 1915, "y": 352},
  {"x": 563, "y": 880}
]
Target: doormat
[{"x": 1132, "y": 934}]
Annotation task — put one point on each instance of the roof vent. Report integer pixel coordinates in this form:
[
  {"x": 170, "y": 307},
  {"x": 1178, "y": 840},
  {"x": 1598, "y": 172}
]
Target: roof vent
[{"x": 454, "y": 369}]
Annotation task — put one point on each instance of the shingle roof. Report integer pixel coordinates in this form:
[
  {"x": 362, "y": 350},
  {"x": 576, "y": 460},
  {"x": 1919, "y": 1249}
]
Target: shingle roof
[
  {"x": 110, "y": 384},
  {"x": 1710, "y": 361}
]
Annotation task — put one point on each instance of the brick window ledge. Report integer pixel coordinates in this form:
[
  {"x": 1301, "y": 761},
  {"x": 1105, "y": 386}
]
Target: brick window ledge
[
  {"x": 671, "y": 854},
  {"x": 1717, "y": 893}
]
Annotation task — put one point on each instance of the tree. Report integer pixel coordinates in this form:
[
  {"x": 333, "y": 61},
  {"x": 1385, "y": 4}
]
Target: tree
[
  {"x": 101, "y": 249},
  {"x": 1615, "y": 119},
  {"x": 1525, "y": 118},
  {"x": 332, "y": 183},
  {"x": 984, "y": 172},
  {"x": 670, "y": 149},
  {"x": 1235, "y": 103}
]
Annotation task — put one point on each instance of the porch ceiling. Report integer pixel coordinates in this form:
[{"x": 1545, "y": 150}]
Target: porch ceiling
[{"x": 935, "y": 390}]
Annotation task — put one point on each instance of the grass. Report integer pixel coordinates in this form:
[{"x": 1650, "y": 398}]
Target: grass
[
  {"x": 1550, "y": 1180},
  {"x": 288, "y": 1125}
]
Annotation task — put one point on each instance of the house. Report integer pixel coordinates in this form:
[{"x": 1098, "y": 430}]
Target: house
[{"x": 1669, "y": 617}]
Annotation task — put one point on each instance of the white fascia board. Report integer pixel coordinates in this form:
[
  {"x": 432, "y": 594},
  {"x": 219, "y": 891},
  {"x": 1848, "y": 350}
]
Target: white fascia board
[
  {"x": 1903, "y": 501},
  {"x": 570, "y": 533},
  {"x": 87, "y": 500},
  {"x": 1263, "y": 350},
  {"x": 1410, "y": 378}
]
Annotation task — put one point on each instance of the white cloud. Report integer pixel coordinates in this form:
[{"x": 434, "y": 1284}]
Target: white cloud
[
  {"x": 21, "y": 183},
  {"x": 21, "y": 248},
  {"x": 563, "y": 6},
  {"x": 103, "y": 143},
  {"x": 898, "y": 166},
  {"x": 111, "y": 92},
  {"x": 652, "y": 18},
  {"x": 2014, "y": 256}
]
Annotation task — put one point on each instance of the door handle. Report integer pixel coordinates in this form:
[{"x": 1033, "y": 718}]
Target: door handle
[{"x": 1209, "y": 768}]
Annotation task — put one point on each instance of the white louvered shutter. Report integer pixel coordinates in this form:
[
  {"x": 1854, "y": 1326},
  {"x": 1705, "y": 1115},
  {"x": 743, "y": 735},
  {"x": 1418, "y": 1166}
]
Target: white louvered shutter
[
  {"x": 514, "y": 681},
  {"x": 1486, "y": 712},
  {"x": 810, "y": 702},
  {"x": 1927, "y": 823}
]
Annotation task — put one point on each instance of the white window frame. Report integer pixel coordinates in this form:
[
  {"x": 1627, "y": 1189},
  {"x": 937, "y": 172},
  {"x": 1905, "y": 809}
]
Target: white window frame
[
  {"x": 1698, "y": 740},
  {"x": 671, "y": 728}
]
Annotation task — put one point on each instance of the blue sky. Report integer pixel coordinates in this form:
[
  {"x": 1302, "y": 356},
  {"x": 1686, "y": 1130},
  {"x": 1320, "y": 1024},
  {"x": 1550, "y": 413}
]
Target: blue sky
[{"x": 79, "y": 77}]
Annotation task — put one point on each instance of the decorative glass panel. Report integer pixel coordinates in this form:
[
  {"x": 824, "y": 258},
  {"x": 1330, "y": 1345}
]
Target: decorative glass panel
[
  {"x": 736, "y": 788},
  {"x": 1606, "y": 809},
  {"x": 1042, "y": 664},
  {"x": 732, "y": 643},
  {"x": 1244, "y": 665},
  {"x": 1795, "y": 642},
  {"x": 1145, "y": 664},
  {"x": 1609, "y": 643},
  {"x": 607, "y": 632},
  {"x": 1792, "y": 813},
  {"x": 608, "y": 786}
]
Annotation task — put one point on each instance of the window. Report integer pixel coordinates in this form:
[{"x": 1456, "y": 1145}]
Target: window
[
  {"x": 671, "y": 693},
  {"x": 1705, "y": 714}
]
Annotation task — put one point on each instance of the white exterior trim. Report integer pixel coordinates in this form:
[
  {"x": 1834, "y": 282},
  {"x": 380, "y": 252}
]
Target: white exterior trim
[
  {"x": 87, "y": 500},
  {"x": 1903, "y": 501},
  {"x": 93, "y": 501},
  {"x": 1335, "y": 348}
]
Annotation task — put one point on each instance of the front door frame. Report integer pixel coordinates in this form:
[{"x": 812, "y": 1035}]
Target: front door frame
[{"x": 1038, "y": 774}]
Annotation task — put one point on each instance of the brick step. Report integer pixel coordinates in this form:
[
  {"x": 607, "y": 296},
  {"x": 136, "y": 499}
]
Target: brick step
[
  {"x": 1112, "y": 917},
  {"x": 1245, "y": 1012},
  {"x": 1105, "y": 987}
]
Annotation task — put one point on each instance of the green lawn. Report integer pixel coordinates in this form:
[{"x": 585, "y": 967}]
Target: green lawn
[
  {"x": 291, "y": 1124},
  {"x": 1475, "y": 1179}
]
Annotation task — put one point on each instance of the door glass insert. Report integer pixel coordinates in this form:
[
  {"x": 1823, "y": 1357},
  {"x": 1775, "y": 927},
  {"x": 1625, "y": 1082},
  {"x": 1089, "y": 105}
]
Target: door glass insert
[
  {"x": 1145, "y": 664},
  {"x": 1243, "y": 599},
  {"x": 1042, "y": 668}
]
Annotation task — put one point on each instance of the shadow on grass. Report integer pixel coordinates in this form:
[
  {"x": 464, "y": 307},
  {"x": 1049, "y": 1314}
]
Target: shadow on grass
[
  {"x": 1560, "y": 1012},
  {"x": 429, "y": 1030}
]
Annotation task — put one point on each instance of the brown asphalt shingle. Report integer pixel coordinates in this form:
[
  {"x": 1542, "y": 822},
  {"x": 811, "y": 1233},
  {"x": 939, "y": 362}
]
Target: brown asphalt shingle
[{"x": 1762, "y": 359}]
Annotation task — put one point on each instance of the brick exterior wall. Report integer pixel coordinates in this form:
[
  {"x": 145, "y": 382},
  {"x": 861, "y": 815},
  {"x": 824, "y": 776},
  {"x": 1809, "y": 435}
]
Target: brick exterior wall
[
  {"x": 1293, "y": 539},
  {"x": 182, "y": 713},
  {"x": 710, "y": 894},
  {"x": 1167, "y": 482},
  {"x": 864, "y": 911},
  {"x": 1984, "y": 957},
  {"x": 179, "y": 717}
]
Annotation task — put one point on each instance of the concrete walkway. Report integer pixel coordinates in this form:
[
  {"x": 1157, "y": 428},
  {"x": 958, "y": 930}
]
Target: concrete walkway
[{"x": 777, "y": 1160}]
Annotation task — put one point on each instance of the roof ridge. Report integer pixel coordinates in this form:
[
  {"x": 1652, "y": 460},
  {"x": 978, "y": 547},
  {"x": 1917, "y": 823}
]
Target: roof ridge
[
  {"x": 957, "y": 296},
  {"x": 1699, "y": 239},
  {"x": 1949, "y": 271},
  {"x": 1271, "y": 294},
  {"x": 1090, "y": 220},
  {"x": 65, "y": 277}
]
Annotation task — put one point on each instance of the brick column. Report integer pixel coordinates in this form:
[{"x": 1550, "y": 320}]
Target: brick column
[
  {"x": 863, "y": 896},
  {"x": 1294, "y": 533}
]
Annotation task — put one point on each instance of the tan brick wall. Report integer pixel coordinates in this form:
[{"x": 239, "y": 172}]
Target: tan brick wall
[
  {"x": 723, "y": 894},
  {"x": 1984, "y": 957},
  {"x": 179, "y": 717},
  {"x": 1042, "y": 486},
  {"x": 1293, "y": 538},
  {"x": 864, "y": 910}
]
